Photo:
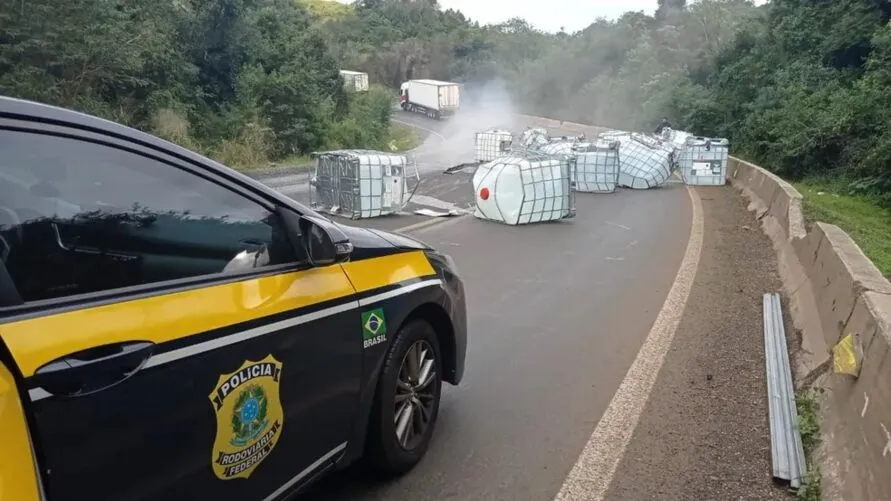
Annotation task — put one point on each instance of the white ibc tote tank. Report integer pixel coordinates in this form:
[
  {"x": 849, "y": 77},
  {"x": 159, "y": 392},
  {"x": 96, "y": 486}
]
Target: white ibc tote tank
[
  {"x": 561, "y": 147},
  {"x": 524, "y": 187},
  {"x": 644, "y": 162},
  {"x": 595, "y": 166},
  {"x": 359, "y": 183},
  {"x": 492, "y": 144}
]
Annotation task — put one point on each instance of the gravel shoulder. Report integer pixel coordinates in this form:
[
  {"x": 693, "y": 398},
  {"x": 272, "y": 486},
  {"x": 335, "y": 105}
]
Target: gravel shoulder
[{"x": 704, "y": 434}]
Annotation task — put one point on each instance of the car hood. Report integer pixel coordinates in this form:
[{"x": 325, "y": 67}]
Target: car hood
[{"x": 369, "y": 242}]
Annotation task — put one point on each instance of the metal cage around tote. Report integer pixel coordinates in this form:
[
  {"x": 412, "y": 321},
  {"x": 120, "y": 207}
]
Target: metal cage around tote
[{"x": 361, "y": 183}]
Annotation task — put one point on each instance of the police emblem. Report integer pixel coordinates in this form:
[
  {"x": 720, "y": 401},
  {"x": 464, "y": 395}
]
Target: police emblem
[{"x": 249, "y": 417}]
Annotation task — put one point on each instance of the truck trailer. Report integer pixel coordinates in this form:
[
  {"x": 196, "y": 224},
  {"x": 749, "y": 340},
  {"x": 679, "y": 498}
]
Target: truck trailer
[
  {"x": 433, "y": 98},
  {"x": 355, "y": 80}
]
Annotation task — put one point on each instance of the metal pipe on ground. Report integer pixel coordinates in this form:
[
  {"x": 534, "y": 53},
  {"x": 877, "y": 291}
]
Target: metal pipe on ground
[{"x": 786, "y": 450}]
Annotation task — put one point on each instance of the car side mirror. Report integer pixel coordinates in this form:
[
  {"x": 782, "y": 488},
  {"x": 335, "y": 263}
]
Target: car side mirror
[
  {"x": 324, "y": 243},
  {"x": 322, "y": 240}
]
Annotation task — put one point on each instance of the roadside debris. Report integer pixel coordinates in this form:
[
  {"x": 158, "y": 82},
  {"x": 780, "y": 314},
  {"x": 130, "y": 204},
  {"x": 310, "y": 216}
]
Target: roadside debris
[
  {"x": 360, "y": 183},
  {"x": 436, "y": 213},
  {"x": 534, "y": 138},
  {"x": 786, "y": 449},
  {"x": 847, "y": 355},
  {"x": 524, "y": 187},
  {"x": 464, "y": 167}
]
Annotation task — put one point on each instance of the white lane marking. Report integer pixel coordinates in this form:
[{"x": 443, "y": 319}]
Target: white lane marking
[
  {"x": 617, "y": 225},
  {"x": 865, "y": 404},
  {"x": 431, "y": 131},
  {"x": 592, "y": 474}
]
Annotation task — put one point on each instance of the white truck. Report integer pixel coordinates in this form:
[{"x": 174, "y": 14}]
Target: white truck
[
  {"x": 355, "y": 80},
  {"x": 433, "y": 98}
]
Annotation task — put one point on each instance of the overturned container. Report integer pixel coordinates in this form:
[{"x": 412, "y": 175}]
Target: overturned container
[
  {"x": 534, "y": 138},
  {"x": 703, "y": 161},
  {"x": 562, "y": 147},
  {"x": 492, "y": 144},
  {"x": 595, "y": 166},
  {"x": 524, "y": 187},
  {"x": 360, "y": 183},
  {"x": 644, "y": 162}
]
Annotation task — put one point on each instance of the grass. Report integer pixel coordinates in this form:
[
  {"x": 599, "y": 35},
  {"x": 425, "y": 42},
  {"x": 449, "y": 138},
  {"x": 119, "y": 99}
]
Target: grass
[
  {"x": 400, "y": 138},
  {"x": 809, "y": 426},
  {"x": 867, "y": 223},
  {"x": 403, "y": 137}
]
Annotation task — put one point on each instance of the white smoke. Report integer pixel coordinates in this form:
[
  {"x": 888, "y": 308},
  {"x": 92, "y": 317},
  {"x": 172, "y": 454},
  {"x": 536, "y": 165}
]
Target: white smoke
[{"x": 483, "y": 107}]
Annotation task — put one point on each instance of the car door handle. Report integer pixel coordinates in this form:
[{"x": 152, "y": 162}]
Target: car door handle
[{"x": 94, "y": 369}]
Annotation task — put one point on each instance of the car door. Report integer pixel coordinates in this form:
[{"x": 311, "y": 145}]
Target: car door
[{"x": 174, "y": 344}]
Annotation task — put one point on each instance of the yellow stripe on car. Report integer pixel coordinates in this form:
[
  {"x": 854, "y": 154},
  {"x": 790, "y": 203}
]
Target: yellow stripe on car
[
  {"x": 37, "y": 341},
  {"x": 370, "y": 274},
  {"x": 159, "y": 319}
]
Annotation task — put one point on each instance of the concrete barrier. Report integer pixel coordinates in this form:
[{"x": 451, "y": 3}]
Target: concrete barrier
[
  {"x": 833, "y": 289},
  {"x": 773, "y": 195},
  {"x": 837, "y": 291}
]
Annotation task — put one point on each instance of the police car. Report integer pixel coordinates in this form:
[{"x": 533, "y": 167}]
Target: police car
[{"x": 171, "y": 329}]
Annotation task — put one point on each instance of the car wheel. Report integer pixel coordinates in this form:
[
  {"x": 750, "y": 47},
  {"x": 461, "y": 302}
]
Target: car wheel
[{"x": 407, "y": 400}]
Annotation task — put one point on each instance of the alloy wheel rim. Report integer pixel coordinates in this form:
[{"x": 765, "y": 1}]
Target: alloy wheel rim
[{"x": 415, "y": 394}]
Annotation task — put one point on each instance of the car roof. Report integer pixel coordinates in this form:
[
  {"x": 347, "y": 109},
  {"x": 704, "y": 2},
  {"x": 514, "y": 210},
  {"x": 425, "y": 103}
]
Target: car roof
[{"x": 33, "y": 111}]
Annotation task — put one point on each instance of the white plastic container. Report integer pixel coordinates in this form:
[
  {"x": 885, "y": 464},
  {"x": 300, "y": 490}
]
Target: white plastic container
[
  {"x": 492, "y": 144},
  {"x": 560, "y": 148},
  {"x": 644, "y": 162},
  {"x": 359, "y": 183},
  {"x": 595, "y": 166},
  {"x": 524, "y": 187},
  {"x": 703, "y": 161}
]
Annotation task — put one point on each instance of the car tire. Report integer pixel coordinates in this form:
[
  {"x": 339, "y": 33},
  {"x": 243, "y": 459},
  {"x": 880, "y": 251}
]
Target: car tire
[{"x": 390, "y": 452}]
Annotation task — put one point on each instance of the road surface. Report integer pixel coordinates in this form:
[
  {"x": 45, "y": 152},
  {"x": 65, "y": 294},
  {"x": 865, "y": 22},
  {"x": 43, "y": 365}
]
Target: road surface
[
  {"x": 557, "y": 314},
  {"x": 598, "y": 369}
]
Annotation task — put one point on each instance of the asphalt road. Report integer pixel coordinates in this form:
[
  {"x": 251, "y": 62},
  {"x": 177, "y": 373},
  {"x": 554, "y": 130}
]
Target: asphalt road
[{"x": 557, "y": 313}]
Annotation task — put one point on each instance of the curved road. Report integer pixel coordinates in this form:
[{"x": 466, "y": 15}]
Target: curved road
[{"x": 557, "y": 314}]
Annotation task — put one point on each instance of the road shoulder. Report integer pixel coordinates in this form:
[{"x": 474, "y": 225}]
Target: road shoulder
[{"x": 704, "y": 434}]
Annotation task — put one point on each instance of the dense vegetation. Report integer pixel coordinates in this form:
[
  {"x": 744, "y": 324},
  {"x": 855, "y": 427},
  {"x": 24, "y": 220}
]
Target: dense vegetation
[
  {"x": 242, "y": 80},
  {"x": 796, "y": 85}
]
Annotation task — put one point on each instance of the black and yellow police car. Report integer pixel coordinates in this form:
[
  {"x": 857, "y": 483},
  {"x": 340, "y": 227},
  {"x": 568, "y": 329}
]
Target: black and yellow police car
[{"x": 171, "y": 329}]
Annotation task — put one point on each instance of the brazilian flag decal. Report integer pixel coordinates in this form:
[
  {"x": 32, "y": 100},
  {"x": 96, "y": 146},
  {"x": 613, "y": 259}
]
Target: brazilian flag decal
[{"x": 374, "y": 327}]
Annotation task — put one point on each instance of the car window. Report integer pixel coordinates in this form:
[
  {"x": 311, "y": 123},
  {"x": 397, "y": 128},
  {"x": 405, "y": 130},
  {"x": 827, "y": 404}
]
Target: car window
[{"x": 77, "y": 217}]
